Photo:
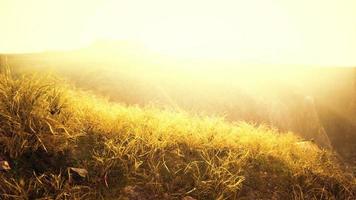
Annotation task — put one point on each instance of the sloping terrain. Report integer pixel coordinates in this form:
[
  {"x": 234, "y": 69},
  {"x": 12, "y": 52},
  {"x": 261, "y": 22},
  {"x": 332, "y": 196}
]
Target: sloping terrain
[
  {"x": 57, "y": 142},
  {"x": 315, "y": 103}
]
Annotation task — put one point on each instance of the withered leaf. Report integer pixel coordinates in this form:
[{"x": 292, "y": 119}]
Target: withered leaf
[{"x": 79, "y": 171}]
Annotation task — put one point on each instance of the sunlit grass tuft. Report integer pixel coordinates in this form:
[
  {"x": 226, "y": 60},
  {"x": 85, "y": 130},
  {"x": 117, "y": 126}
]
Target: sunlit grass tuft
[{"x": 129, "y": 152}]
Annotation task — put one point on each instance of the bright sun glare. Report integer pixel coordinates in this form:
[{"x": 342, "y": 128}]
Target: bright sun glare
[
  {"x": 314, "y": 32},
  {"x": 201, "y": 29}
]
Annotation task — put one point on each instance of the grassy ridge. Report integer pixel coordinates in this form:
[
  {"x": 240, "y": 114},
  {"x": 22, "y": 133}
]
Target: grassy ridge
[{"x": 66, "y": 144}]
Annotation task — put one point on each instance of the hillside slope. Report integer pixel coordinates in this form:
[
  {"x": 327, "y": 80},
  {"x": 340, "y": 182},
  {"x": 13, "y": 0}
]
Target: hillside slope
[
  {"x": 60, "y": 143},
  {"x": 290, "y": 98}
]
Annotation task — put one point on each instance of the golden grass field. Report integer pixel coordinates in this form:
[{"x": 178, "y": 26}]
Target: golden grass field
[
  {"x": 62, "y": 143},
  {"x": 177, "y": 100}
]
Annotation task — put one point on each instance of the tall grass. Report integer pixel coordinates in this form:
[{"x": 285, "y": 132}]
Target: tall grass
[{"x": 48, "y": 128}]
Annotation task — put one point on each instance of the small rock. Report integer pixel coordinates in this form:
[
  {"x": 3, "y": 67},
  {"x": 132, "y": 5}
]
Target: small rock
[
  {"x": 22, "y": 182},
  {"x": 4, "y": 165}
]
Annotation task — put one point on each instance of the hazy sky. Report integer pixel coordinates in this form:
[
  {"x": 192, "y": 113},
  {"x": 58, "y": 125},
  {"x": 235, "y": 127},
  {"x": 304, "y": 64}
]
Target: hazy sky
[{"x": 318, "y": 32}]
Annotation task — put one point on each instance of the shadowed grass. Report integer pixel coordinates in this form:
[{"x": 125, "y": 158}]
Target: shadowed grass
[{"x": 46, "y": 127}]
